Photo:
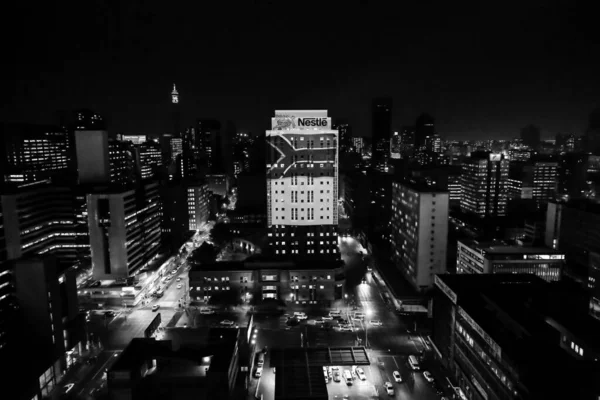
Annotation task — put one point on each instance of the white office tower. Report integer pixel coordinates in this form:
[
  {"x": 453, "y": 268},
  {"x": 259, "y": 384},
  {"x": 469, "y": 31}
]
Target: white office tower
[{"x": 302, "y": 185}]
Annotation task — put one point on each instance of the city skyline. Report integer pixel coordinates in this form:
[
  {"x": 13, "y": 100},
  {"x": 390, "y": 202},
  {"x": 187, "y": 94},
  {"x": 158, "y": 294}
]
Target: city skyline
[{"x": 485, "y": 75}]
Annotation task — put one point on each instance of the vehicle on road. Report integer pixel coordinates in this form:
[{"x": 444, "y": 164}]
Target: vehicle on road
[
  {"x": 301, "y": 317},
  {"x": 335, "y": 313},
  {"x": 359, "y": 315},
  {"x": 414, "y": 363},
  {"x": 206, "y": 311},
  {"x": 364, "y": 281},
  {"x": 227, "y": 322},
  {"x": 260, "y": 360},
  {"x": 346, "y": 328},
  {"x": 179, "y": 286},
  {"x": 397, "y": 376},
  {"x": 389, "y": 388},
  {"x": 327, "y": 318},
  {"x": 376, "y": 322},
  {"x": 258, "y": 372},
  {"x": 428, "y": 376},
  {"x": 319, "y": 321},
  {"x": 155, "y": 307},
  {"x": 109, "y": 314},
  {"x": 178, "y": 279},
  {"x": 361, "y": 374}
]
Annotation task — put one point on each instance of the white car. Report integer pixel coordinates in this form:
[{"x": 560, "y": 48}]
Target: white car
[
  {"x": 397, "y": 377},
  {"x": 155, "y": 307},
  {"x": 361, "y": 374},
  {"x": 227, "y": 322},
  {"x": 178, "y": 279},
  {"x": 376, "y": 322},
  {"x": 258, "y": 372},
  {"x": 206, "y": 311},
  {"x": 428, "y": 376},
  {"x": 389, "y": 388},
  {"x": 300, "y": 317},
  {"x": 345, "y": 328},
  {"x": 327, "y": 318},
  {"x": 179, "y": 286}
]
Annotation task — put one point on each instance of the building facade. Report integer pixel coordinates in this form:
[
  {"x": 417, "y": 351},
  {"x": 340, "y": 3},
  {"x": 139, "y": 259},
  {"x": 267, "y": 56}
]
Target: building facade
[
  {"x": 483, "y": 185},
  {"x": 125, "y": 230},
  {"x": 475, "y": 257},
  {"x": 198, "y": 203},
  {"x": 260, "y": 280},
  {"x": 419, "y": 232},
  {"x": 302, "y": 185}
]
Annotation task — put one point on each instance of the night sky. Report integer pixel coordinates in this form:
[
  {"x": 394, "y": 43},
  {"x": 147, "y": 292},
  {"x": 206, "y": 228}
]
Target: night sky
[{"x": 482, "y": 72}]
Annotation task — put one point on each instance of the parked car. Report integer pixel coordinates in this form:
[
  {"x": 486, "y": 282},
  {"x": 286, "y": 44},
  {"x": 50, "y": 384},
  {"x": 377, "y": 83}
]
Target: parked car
[
  {"x": 361, "y": 374},
  {"x": 227, "y": 322},
  {"x": 327, "y": 318},
  {"x": 376, "y": 322}
]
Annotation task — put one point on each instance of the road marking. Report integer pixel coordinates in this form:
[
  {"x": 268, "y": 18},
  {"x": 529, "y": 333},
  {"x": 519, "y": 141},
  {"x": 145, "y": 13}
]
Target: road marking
[{"x": 396, "y": 362}]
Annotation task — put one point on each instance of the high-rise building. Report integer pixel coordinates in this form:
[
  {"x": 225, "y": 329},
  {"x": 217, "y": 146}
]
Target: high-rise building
[
  {"x": 433, "y": 143},
  {"x": 424, "y": 128},
  {"x": 125, "y": 230},
  {"x": 209, "y": 142},
  {"x": 474, "y": 257},
  {"x": 572, "y": 175},
  {"x": 198, "y": 204},
  {"x": 530, "y": 136},
  {"x": 345, "y": 135},
  {"x": 358, "y": 143},
  {"x": 88, "y": 120},
  {"x": 483, "y": 185},
  {"x": 396, "y": 146},
  {"x": 149, "y": 158},
  {"x": 39, "y": 220},
  {"x": 302, "y": 185},
  {"x": 419, "y": 233},
  {"x": 381, "y": 130},
  {"x": 33, "y": 152},
  {"x": 122, "y": 163},
  {"x": 535, "y": 180}
]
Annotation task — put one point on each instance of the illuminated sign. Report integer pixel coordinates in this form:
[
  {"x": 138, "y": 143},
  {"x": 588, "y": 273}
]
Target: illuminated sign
[
  {"x": 493, "y": 345},
  {"x": 444, "y": 288},
  {"x": 289, "y": 122},
  {"x": 543, "y": 256},
  {"x": 495, "y": 157}
]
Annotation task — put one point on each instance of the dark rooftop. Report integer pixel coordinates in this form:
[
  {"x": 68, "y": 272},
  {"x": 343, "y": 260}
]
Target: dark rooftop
[
  {"x": 419, "y": 186},
  {"x": 516, "y": 309}
]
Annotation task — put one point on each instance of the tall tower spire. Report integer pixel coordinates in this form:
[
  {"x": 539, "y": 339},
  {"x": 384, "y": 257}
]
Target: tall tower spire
[{"x": 174, "y": 95}]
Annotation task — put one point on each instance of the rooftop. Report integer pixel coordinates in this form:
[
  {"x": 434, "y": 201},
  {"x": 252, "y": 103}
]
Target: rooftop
[
  {"x": 257, "y": 262},
  {"x": 521, "y": 323},
  {"x": 498, "y": 247},
  {"x": 419, "y": 186}
]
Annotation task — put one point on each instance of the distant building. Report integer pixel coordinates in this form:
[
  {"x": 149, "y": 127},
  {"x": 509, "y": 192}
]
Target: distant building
[
  {"x": 34, "y": 152},
  {"x": 125, "y": 230},
  {"x": 424, "y": 128},
  {"x": 419, "y": 232},
  {"x": 292, "y": 282},
  {"x": 499, "y": 258},
  {"x": 507, "y": 336},
  {"x": 149, "y": 160},
  {"x": 396, "y": 146},
  {"x": 345, "y": 136},
  {"x": 218, "y": 184},
  {"x": 358, "y": 143},
  {"x": 209, "y": 142},
  {"x": 381, "y": 115},
  {"x": 483, "y": 185},
  {"x": 198, "y": 203}
]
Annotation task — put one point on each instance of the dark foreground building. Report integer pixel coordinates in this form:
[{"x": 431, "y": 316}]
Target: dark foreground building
[
  {"x": 516, "y": 337},
  {"x": 190, "y": 364}
]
